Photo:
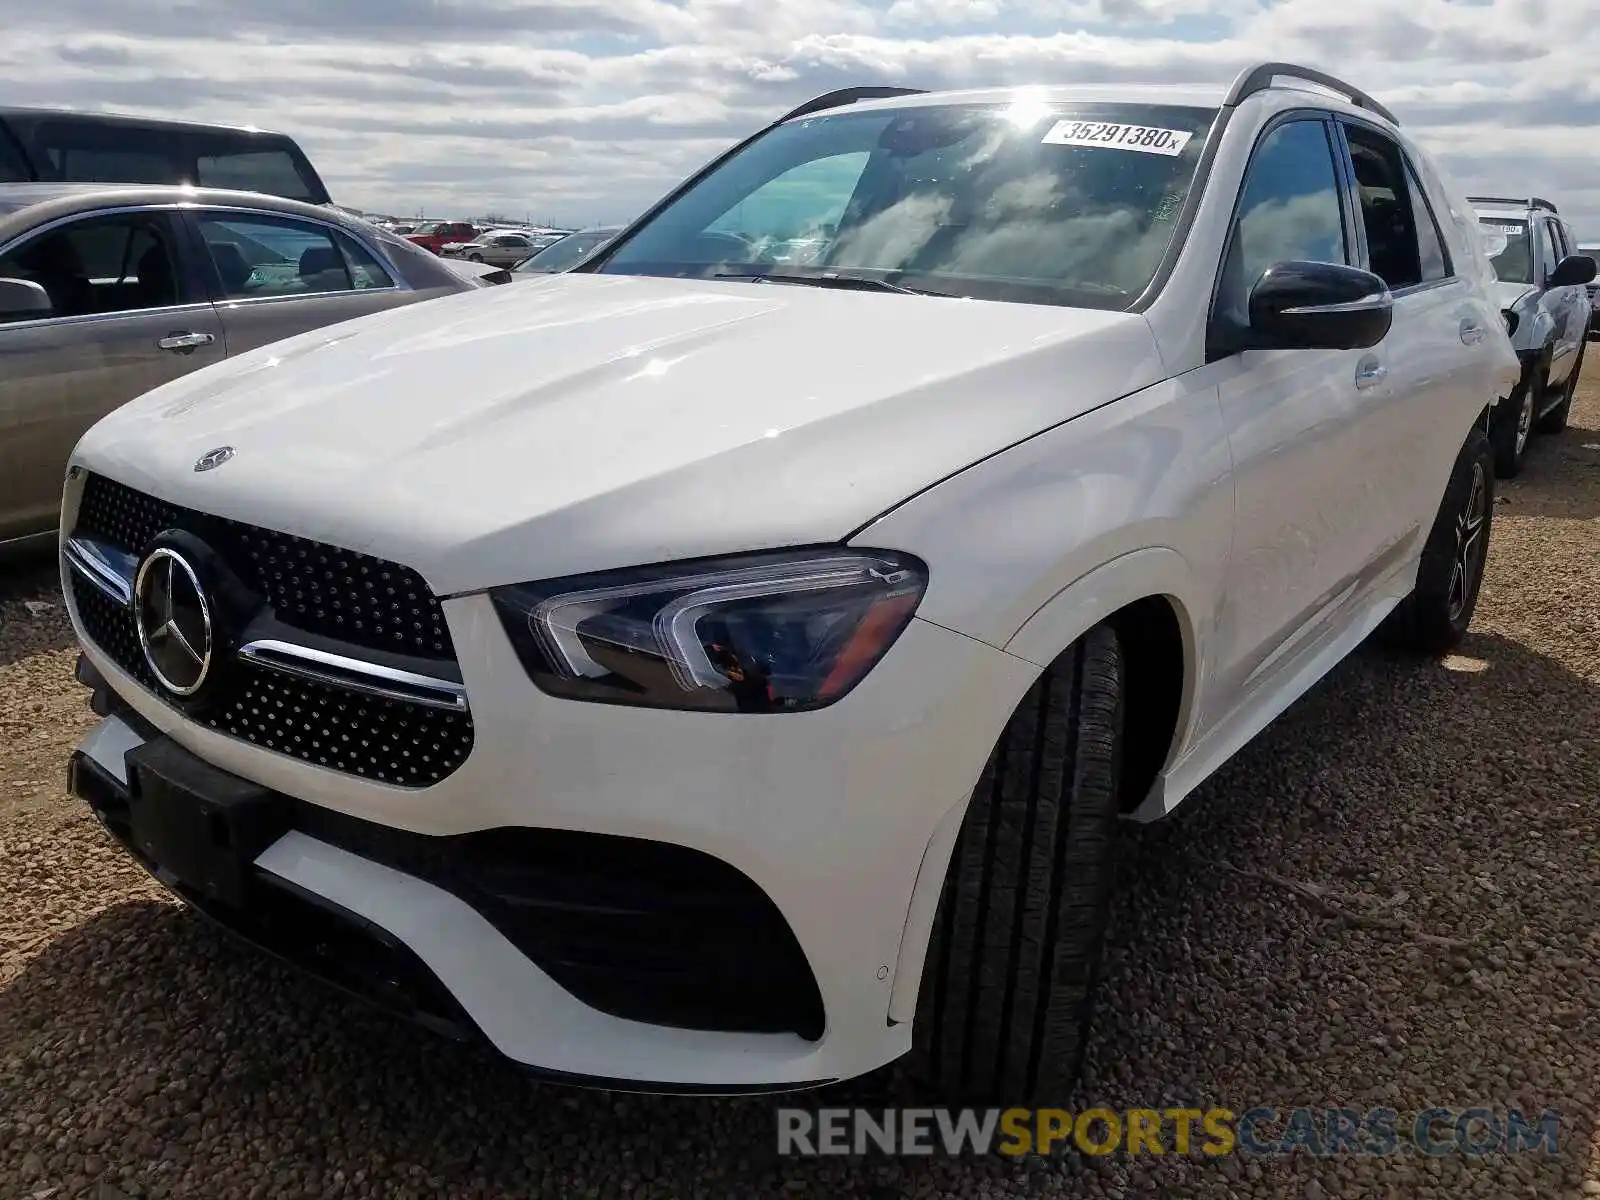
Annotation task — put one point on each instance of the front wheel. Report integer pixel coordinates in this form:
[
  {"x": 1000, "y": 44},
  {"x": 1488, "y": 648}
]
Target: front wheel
[
  {"x": 474, "y": 258},
  {"x": 1434, "y": 617},
  {"x": 1004, "y": 1008}
]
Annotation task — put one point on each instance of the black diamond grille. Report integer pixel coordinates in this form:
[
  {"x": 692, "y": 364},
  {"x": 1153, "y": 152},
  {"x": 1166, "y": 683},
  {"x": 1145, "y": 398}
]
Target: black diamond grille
[
  {"x": 363, "y": 601},
  {"x": 390, "y": 741}
]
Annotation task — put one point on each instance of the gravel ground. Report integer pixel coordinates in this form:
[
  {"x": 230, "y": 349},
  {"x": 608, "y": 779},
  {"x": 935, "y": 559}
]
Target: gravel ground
[{"x": 143, "y": 1054}]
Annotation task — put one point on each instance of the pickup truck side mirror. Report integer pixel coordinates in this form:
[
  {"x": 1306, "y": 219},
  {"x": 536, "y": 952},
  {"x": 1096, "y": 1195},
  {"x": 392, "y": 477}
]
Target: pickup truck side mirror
[
  {"x": 1318, "y": 306},
  {"x": 1573, "y": 269},
  {"x": 21, "y": 299}
]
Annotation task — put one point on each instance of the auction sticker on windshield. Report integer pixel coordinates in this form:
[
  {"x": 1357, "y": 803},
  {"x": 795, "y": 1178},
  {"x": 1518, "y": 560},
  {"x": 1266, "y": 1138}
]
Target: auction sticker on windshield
[{"x": 1146, "y": 139}]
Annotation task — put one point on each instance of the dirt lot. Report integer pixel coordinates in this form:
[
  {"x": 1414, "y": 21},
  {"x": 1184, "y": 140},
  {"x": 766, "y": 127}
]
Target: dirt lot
[{"x": 141, "y": 1053}]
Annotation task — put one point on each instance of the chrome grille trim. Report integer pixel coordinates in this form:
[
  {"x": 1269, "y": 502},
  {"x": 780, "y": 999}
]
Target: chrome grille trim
[
  {"x": 108, "y": 568},
  {"x": 356, "y": 675}
]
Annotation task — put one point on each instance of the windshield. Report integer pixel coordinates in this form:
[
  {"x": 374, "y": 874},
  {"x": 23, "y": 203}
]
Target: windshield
[
  {"x": 428, "y": 227},
  {"x": 562, "y": 253},
  {"x": 1506, "y": 243},
  {"x": 1039, "y": 203}
]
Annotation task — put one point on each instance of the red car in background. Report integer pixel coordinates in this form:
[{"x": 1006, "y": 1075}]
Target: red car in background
[{"x": 432, "y": 235}]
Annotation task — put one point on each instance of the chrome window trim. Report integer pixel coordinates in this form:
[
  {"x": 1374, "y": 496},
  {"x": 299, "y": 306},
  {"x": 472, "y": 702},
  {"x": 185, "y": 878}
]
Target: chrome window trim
[
  {"x": 198, "y": 306},
  {"x": 356, "y": 675},
  {"x": 107, "y": 568}
]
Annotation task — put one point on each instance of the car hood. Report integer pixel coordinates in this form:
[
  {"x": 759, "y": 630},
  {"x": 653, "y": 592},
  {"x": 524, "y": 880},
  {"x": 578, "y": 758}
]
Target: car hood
[
  {"x": 1509, "y": 295},
  {"x": 589, "y": 421}
]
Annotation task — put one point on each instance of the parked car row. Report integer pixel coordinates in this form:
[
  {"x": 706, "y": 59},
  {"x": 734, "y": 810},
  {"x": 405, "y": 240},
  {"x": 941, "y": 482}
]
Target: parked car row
[
  {"x": 1545, "y": 289},
  {"x": 108, "y": 291},
  {"x": 1592, "y": 250},
  {"x": 916, "y": 554}
]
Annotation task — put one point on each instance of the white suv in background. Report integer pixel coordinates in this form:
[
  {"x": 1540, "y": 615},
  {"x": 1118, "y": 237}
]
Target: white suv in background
[
  {"x": 1542, "y": 274},
  {"x": 734, "y": 680}
]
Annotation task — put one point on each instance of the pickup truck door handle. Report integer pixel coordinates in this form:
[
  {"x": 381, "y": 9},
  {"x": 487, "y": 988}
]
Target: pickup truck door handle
[
  {"x": 185, "y": 341},
  {"x": 1370, "y": 374},
  {"x": 1471, "y": 332}
]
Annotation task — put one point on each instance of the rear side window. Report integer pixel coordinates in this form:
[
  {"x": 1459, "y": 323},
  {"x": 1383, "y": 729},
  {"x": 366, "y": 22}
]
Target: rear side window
[
  {"x": 90, "y": 151},
  {"x": 12, "y": 167},
  {"x": 259, "y": 256},
  {"x": 1403, "y": 243},
  {"x": 271, "y": 171},
  {"x": 1433, "y": 259}
]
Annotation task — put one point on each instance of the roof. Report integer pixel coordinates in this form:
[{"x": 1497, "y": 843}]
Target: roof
[
  {"x": 18, "y": 200},
  {"x": 133, "y": 119},
  {"x": 1502, "y": 208},
  {"x": 1054, "y": 94}
]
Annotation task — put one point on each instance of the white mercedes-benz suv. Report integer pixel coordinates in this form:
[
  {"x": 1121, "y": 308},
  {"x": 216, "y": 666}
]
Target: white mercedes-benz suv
[{"x": 731, "y": 673}]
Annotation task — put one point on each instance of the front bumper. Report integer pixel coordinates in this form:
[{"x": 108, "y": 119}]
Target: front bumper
[{"x": 827, "y": 814}]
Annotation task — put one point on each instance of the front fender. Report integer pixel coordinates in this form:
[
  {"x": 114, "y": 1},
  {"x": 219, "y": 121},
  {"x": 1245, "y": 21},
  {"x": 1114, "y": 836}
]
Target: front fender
[{"x": 1067, "y": 616}]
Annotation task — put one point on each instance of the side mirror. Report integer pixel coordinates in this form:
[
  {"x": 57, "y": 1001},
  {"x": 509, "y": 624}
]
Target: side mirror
[
  {"x": 22, "y": 298},
  {"x": 1573, "y": 269},
  {"x": 1318, "y": 306}
]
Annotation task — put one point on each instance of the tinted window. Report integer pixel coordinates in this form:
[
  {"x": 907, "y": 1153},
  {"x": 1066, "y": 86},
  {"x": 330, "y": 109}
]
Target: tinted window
[
  {"x": 1387, "y": 214},
  {"x": 107, "y": 164},
  {"x": 89, "y": 151},
  {"x": 279, "y": 256},
  {"x": 1507, "y": 244},
  {"x": 12, "y": 167},
  {"x": 110, "y": 264},
  {"x": 1028, "y": 202},
  {"x": 1547, "y": 250},
  {"x": 1433, "y": 261},
  {"x": 1288, "y": 209},
  {"x": 271, "y": 171}
]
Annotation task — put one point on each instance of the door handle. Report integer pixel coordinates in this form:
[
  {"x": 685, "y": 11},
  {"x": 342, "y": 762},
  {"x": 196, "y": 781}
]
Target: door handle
[
  {"x": 185, "y": 341},
  {"x": 1370, "y": 374},
  {"x": 1471, "y": 332}
]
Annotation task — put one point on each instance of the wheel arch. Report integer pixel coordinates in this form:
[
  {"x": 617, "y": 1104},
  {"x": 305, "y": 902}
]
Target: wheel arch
[
  {"x": 1148, "y": 596},
  {"x": 1142, "y": 595}
]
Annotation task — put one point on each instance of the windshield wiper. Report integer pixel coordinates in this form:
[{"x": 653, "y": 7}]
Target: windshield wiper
[{"x": 828, "y": 278}]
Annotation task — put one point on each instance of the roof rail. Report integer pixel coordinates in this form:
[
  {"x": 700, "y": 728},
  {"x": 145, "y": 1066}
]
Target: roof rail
[
  {"x": 1520, "y": 201},
  {"x": 847, "y": 95},
  {"x": 1259, "y": 78}
]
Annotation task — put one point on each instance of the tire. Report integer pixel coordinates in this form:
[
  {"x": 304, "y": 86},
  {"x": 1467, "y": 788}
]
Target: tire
[
  {"x": 474, "y": 258},
  {"x": 1555, "y": 420},
  {"x": 1005, "y": 1003},
  {"x": 1434, "y": 618},
  {"x": 1509, "y": 436}
]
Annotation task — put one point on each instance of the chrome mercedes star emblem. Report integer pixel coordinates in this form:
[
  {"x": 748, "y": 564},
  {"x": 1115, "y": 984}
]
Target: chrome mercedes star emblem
[
  {"x": 213, "y": 458},
  {"x": 174, "y": 621}
]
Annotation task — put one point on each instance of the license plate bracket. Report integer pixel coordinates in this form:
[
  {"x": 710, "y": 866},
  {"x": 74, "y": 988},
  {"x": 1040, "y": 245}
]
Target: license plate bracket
[{"x": 200, "y": 827}]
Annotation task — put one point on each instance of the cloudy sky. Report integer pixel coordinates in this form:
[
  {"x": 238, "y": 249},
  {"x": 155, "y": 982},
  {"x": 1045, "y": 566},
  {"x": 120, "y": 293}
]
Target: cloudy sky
[{"x": 586, "y": 110}]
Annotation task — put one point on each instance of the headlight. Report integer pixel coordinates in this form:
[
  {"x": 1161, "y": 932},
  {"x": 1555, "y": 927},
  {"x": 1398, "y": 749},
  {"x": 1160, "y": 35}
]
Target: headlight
[{"x": 785, "y": 631}]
